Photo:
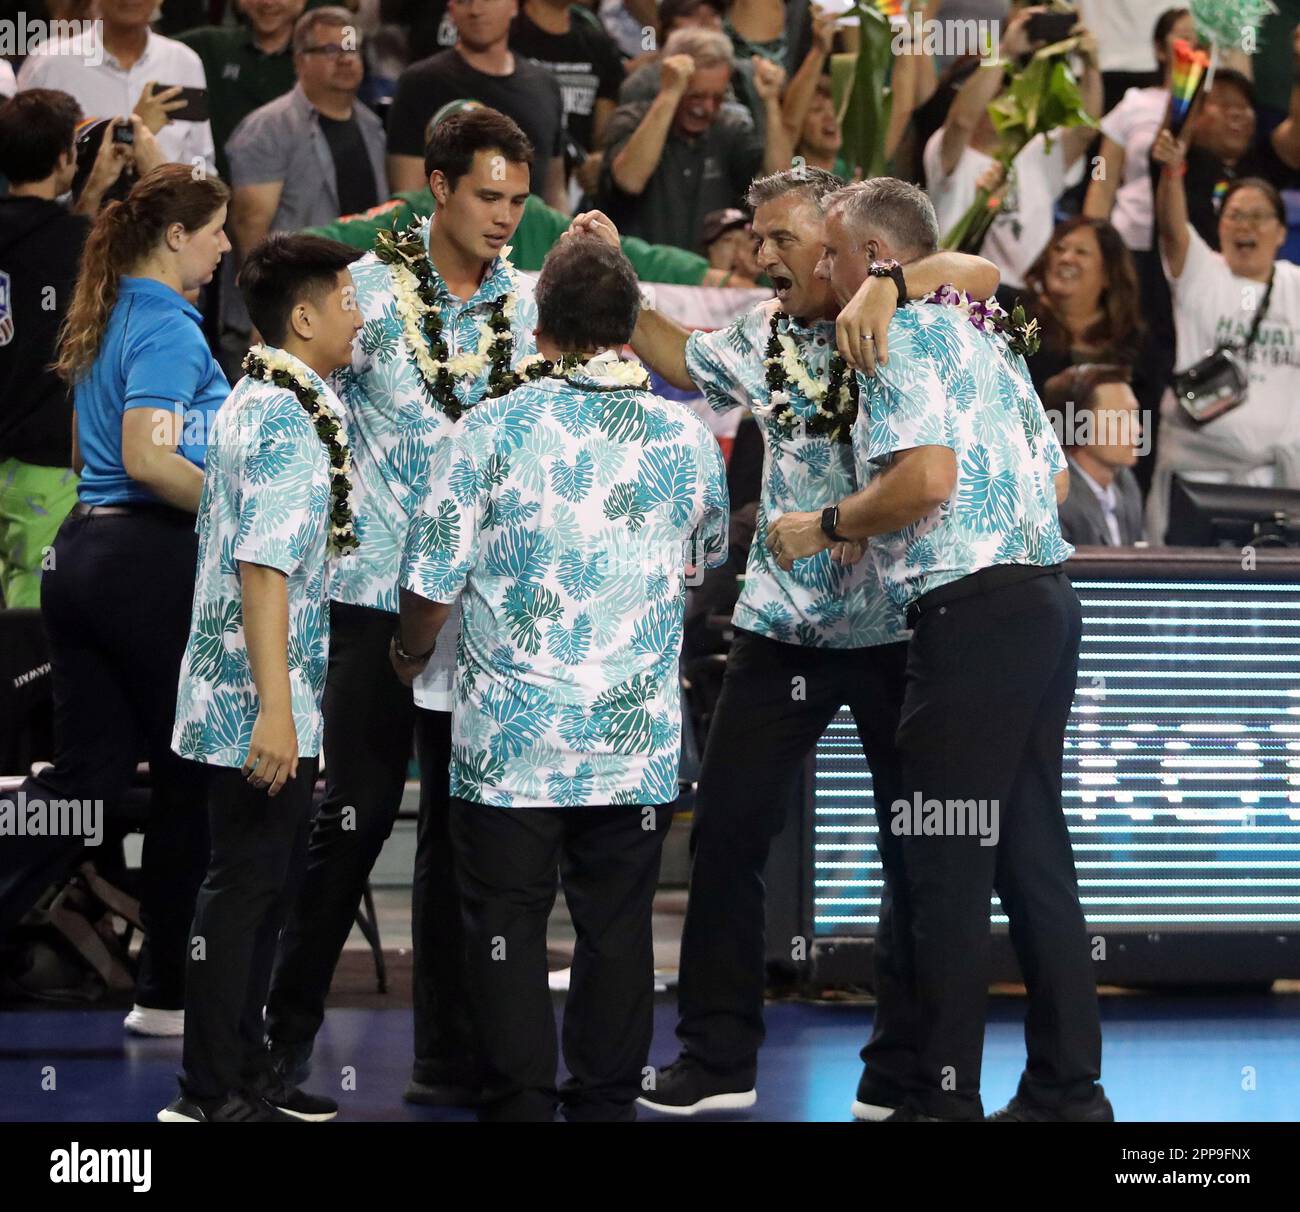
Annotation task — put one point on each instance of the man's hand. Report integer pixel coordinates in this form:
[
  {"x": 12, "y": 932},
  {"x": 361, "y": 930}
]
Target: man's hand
[
  {"x": 795, "y": 536},
  {"x": 156, "y": 107},
  {"x": 848, "y": 554},
  {"x": 147, "y": 151},
  {"x": 110, "y": 160},
  {"x": 675, "y": 74},
  {"x": 407, "y": 671},
  {"x": 272, "y": 752},
  {"x": 595, "y": 223},
  {"x": 1015, "y": 34},
  {"x": 769, "y": 79},
  {"x": 823, "y": 30},
  {"x": 1167, "y": 151},
  {"x": 862, "y": 329}
]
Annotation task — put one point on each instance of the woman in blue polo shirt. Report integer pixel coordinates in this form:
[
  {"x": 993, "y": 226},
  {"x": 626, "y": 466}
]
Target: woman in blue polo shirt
[{"x": 116, "y": 600}]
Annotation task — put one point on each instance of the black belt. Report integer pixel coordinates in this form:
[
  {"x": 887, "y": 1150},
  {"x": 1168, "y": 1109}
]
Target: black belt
[
  {"x": 131, "y": 510},
  {"x": 984, "y": 581}
]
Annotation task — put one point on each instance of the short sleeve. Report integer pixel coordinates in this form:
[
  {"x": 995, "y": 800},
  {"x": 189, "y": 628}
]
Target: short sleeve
[
  {"x": 610, "y": 74},
  {"x": 275, "y": 495},
  {"x": 166, "y": 366},
  {"x": 908, "y": 399},
  {"x": 1118, "y": 124},
  {"x": 716, "y": 362},
  {"x": 708, "y": 543},
  {"x": 256, "y": 155},
  {"x": 621, "y": 126},
  {"x": 442, "y": 542}
]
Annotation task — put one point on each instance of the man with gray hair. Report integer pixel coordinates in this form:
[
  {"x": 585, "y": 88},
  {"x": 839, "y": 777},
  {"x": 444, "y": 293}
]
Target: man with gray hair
[
  {"x": 807, "y": 644},
  {"x": 671, "y": 161},
  {"x": 963, "y": 526}
]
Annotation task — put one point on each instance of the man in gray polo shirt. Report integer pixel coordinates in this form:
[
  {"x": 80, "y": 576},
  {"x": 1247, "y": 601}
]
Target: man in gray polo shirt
[
  {"x": 302, "y": 159},
  {"x": 670, "y": 161}
]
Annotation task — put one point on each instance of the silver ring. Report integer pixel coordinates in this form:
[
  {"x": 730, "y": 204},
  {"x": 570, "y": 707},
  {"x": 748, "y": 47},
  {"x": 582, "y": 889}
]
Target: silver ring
[{"x": 867, "y": 337}]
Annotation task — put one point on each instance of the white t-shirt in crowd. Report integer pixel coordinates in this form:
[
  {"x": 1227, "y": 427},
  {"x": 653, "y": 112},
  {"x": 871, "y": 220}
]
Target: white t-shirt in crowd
[
  {"x": 1258, "y": 442},
  {"x": 1028, "y": 215},
  {"x": 103, "y": 90},
  {"x": 1125, "y": 32},
  {"x": 1134, "y": 124}
]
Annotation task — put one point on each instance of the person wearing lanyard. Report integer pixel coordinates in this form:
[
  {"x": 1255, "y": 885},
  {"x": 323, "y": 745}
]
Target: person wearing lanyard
[
  {"x": 963, "y": 527},
  {"x": 116, "y": 599}
]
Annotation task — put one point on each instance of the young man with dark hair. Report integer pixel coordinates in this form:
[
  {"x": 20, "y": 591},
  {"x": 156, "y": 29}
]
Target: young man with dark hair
[
  {"x": 567, "y": 723},
  {"x": 276, "y": 510},
  {"x": 40, "y": 247},
  {"x": 446, "y": 320},
  {"x": 480, "y": 67}
]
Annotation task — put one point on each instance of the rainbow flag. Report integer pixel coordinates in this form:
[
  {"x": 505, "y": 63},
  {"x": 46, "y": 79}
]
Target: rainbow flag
[
  {"x": 895, "y": 10},
  {"x": 1190, "y": 66}
]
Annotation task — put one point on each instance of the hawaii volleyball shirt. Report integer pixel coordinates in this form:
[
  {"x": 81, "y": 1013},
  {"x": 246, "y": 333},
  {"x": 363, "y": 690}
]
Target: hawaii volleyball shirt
[
  {"x": 266, "y": 500},
  {"x": 399, "y": 434},
  {"x": 819, "y": 603},
  {"x": 568, "y": 517},
  {"x": 948, "y": 384}
]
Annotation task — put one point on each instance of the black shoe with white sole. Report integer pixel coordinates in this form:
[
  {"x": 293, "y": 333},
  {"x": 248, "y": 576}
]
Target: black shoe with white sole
[
  {"x": 686, "y": 1088},
  {"x": 1093, "y": 1110},
  {"x": 873, "y": 1103},
  {"x": 236, "y": 1109},
  {"x": 311, "y": 1108}
]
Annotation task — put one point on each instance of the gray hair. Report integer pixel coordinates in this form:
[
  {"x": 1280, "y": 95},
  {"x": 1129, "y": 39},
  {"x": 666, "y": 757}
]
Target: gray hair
[
  {"x": 816, "y": 184},
  {"x": 334, "y": 14},
  {"x": 900, "y": 211},
  {"x": 708, "y": 47}
]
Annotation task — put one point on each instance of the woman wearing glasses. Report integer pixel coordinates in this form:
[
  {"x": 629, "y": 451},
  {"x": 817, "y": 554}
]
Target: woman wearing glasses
[{"x": 1242, "y": 299}]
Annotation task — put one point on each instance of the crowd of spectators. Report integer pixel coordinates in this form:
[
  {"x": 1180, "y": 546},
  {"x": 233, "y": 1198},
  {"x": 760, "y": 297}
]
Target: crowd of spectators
[{"x": 1133, "y": 250}]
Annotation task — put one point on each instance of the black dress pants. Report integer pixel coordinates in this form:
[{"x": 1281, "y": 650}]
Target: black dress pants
[
  {"x": 608, "y": 860},
  {"x": 116, "y": 609},
  {"x": 990, "y": 681},
  {"x": 369, "y": 716},
  {"x": 776, "y": 702},
  {"x": 259, "y": 844}
]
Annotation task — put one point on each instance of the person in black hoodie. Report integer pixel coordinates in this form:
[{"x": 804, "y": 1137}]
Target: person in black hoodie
[{"x": 40, "y": 246}]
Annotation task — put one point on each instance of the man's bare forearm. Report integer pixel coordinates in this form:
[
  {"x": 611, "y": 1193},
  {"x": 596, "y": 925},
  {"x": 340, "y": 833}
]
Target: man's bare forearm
[
  {"x": 266, "y": 633},
  {"x": 635, "y": 164},
  {"x": 661, "y": 344},
  {"x": 905, "y": 492},
  {"x": 421, "y": 621}
]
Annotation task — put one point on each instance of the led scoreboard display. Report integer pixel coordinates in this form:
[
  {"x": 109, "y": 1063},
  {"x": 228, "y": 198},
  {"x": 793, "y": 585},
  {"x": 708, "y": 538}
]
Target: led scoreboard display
[{"x": 1182, "y": 769}]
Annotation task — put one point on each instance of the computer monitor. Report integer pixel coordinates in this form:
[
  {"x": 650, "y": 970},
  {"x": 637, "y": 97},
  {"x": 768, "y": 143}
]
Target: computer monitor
[{"x": 1232, "y": 515}]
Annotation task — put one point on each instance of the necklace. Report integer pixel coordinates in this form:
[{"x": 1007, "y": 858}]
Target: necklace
[
  {"x": 275, "y": 366},
  {"x": 835, "y": 403}
]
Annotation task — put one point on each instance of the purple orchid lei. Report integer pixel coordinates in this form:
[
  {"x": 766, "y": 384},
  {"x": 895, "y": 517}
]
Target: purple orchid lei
[{"x": 989, "y": 316}]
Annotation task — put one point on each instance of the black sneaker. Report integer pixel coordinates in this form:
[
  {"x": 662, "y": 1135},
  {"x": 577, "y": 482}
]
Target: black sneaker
[
  {"x": 292, "y": 1062},
  {"x": 237, "y": 1109},
  {"x": 872, "y": 1103},
  {"x": 686, "y": 1088},
  {"x": 311, "y": 1108},
  {"x": 1095, "y": 1110}
]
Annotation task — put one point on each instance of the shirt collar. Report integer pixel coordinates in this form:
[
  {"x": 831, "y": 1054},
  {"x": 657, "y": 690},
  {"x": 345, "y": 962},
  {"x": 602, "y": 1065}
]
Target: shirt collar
[
  {"x": 807, "y": 332},
  {"x": 311, "y": 378},
  {"x": 1106, "y": 495},
  {"x": 158, "y": 290},
  {"x": 111, "y": 59},
  {"x": 497, "y": 282}
]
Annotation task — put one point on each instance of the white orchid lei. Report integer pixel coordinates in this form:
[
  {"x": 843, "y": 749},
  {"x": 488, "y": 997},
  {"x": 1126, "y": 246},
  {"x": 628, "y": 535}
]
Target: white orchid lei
[
  {"x": 835, "y": 402},
  {"x": 989, "y": 316},
  {"x": 275, "y": 366},
  {"x": 416, "y": 299}
]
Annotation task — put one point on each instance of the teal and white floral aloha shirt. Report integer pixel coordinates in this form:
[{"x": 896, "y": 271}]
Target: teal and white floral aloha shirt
[
  {"x": 819, "y": 603},
  {"x": 399, "y": 435},
  {"x": 568, "y": 517},
  {"x": 949, "y": 384},
  {"x": 266, "y": 500}
]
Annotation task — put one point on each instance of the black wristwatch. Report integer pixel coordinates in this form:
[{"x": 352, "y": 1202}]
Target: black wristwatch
[
  {"x": 890, "y": 269},
  {"x": 410, "y": 658},
  {"x": 831, "y": 520}
]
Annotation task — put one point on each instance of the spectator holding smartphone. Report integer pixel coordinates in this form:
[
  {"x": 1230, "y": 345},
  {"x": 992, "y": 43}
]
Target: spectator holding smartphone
[{"x": 138, "y": 72}]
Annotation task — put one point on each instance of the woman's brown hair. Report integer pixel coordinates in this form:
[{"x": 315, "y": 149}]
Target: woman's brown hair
[
  {"x": 1120, "y": 327},
  {"x": 123, "y": 234}
]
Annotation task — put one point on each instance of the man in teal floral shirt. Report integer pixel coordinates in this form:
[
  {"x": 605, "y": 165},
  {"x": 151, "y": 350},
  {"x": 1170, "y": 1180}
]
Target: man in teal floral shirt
[
  {"x": 962, "y": 523},
  {"x": 571, "y": 510},
  {"x": 445, "y": 319},
  {"x": 276, "y": 502},
  {"x": 808, "y": 641}
]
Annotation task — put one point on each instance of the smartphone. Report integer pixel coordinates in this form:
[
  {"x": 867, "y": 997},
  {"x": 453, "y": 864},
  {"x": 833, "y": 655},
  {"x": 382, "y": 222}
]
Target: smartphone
[
  {"x": 195, "y": 108},
  {"x": 1049, "y": 28},
  {"x": 123, "y": 132}
]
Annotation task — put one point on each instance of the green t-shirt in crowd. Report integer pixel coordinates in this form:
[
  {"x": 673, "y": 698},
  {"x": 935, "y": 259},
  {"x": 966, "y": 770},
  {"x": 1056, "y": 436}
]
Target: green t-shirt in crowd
[{"x": 540, "y": 227}]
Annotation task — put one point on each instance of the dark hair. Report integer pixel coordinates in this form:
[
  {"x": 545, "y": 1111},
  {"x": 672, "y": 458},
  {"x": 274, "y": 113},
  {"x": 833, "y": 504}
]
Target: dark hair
[
  {"x": 1078, "y": 384},
  {"x": 1230, "y": 75},
  {"x": 123, "y": 234},
  {"x": 587, "y": 295},
  {"x": 283, "y": 270},
  {"x": 1265, "y": 187},
  {"x": 1166, "y": 22},
  {"x": 673, "y": 10},
  {"x": 456, "y": 140},
  {"x": 1121, "y": 325},
  {"x": 36, "y": 128}
]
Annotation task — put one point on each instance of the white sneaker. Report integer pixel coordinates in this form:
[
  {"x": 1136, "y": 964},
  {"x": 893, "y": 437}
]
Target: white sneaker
[
  {"x": 871, "y": 1112},
  {"x": 144, "y": 1020}
]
